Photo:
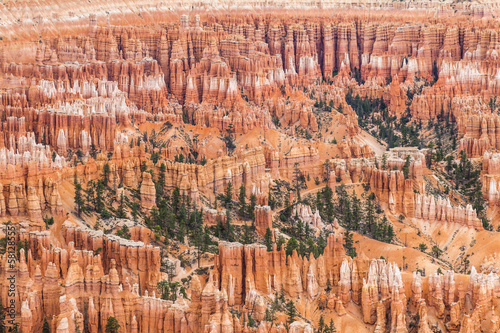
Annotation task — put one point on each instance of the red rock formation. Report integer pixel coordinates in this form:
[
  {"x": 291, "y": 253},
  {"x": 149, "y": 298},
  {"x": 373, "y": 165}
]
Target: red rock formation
[
  {"x": 384, "y": 283},
  {"x": 429, "y": 209},
  {"x": 148, "y": 191},
  {"x": 263, "y": 219},
  {"x": 76, "y": 95},
  {"x": 273, "y": 271},
  {"x": 134, "y": 260},
  {"x": 212, "y": 216},
  {"x": 490, "y": 177},
  {"x": 307, "y": 216}
]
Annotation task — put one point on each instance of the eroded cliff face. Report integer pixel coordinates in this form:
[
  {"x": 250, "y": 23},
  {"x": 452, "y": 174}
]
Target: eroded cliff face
[
  {"x": 146, "y": 158},
  {"x": 213, "y": 66},
  {"x": 120, "y": 281}
]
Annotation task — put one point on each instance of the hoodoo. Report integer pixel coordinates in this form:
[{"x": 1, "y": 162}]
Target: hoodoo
[{"x": 250, "y": 167}]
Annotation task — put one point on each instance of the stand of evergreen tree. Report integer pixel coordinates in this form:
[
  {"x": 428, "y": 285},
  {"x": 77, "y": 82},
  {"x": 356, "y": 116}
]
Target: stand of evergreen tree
[
  {"x": 112, "y": 326},
  {"x": 373, "y": 115},
  {"x": 364, "y": 217},
  {"x": 467, "y": 180},
  {"x": 302, "y": 239},
  {"x": 291, "y": 312}
]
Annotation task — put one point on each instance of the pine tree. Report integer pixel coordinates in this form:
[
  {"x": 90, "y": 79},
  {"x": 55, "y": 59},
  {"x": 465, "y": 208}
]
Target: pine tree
[
  {"x": 228, "y": 197},
  {"x": 105, "y": 174},
  {"x": 251, "y": 207},
  {"x": 206, "y": 239},
  {"x": 342, "y": 199},
  {"x": 198, "y": 241},
  {"x": 436, "y": 251},
  {"x": 321, "y": 324},
  {"x": 181, "y": 218},
  {"x": 331, "y": 327},
  {"x": 219, "y": 228},
  {"x": 356, "y": 213},
  {"x": 228, "y": 228},
  {"x": 319, "y": 203},
  {"x": 270, "y": 315},
  {"x": 242, "y": 201},
  {"x": 85, "y": 321},
  {"x": 406, "y": 167},
  {"x": 251, "y": 321},
  {"x": 179, "y": 158},
  {"x": 79, "y": 202},
  {"x": 312, "y": 247},
  {"x": 384, "y": 161},
  {"x": 300, "y": 230},
  {"x": 435, "y": 71},
  {"x": 93, "y": 151},
  {"x": 349, "y": 244},
  {"x": 248, "y": 235},
  {"x": 327, "y": 169},
  {"x": 120, "y": 212},
  {"x": 268, "y": 239},
  {"x": 126, "y": 231},
  {"x": 357, "y": 76},
  {"x": 370, "y": 212},
  {"x": 77, "y": 327},
  {"x": 280, "y": 243},
  {"x": 296, "y": 178},
  {"x": 282, "y": 295},
  {"x": 176, "y": 199},
  {"x": 291, "y": 312},
  {"x": 287, "y": 211},
  {"x": 229, "y": 138},
  {"x": 273, "y": 203},
  {"x": 163, "y": 288},
  {"x": 134, "y": 210},
  {"x": 112, "y": 326},
  {"x": 45, "y": 327},
  {"x": 390, "y": 234},
  {"x": 291, "y": 245},
  {"x": 90, "y": 194},
  {"x": 160, "y": 184},
  {"x": 328, "y": 286},
  {"x": 99, "y": 202},
  {"x": 328, "y": 199}
]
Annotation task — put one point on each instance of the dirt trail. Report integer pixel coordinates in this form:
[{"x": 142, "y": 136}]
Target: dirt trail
[{"x": 368, "y": 139}]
